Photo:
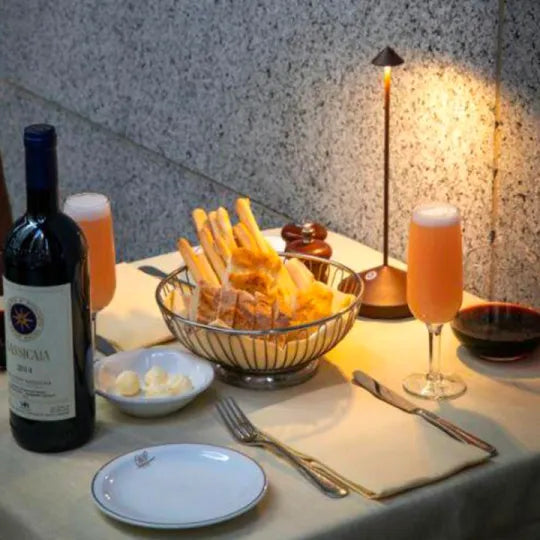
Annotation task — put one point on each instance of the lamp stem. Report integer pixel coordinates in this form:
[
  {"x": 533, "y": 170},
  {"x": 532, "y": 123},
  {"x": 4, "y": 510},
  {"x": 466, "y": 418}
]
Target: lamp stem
[{"x": 386, "y": 159}]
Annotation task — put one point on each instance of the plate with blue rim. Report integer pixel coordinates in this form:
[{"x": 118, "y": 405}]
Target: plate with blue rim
[{"x": 178, "y": 486}]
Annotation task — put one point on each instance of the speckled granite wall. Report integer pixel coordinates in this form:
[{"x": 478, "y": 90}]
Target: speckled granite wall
[
  {"x": 152, "y": 197},
  {"x": 518, "y": 272},
  {"x": 275, "y": 99}
]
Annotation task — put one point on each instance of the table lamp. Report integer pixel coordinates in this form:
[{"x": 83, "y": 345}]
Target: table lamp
[{"x": 385, "y": 294}]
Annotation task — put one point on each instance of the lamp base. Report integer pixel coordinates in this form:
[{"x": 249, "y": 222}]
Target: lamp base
[{"x": 385, "y": 293}]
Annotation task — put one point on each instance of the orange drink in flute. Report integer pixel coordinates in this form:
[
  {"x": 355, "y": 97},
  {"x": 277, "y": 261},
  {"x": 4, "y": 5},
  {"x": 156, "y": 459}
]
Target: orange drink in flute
[
  {"x": 435, "y": 290},
  {"x": 92, "y": 212}
]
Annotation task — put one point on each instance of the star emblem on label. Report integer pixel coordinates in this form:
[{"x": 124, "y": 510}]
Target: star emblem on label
[{"x": 25, "y": 319}]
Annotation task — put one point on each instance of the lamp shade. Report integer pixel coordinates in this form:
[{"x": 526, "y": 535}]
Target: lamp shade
[{"x": 387, "y": 57}]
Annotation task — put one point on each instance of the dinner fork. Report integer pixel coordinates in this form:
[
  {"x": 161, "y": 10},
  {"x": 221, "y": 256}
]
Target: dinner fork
[{"x": 243, "y": 430}]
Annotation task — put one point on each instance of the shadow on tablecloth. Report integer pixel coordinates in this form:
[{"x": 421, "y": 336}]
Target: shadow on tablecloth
[{"x": 523, "y": 374}]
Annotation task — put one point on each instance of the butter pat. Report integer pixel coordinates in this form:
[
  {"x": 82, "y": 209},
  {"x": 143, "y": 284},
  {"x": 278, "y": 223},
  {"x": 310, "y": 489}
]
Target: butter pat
[
  {"x": 156, "y": 390},
  {"x": 179, "y": 384},
  {"x": 157, "y": 383},
  {"x": 155, "y": 376},
  {"x": 127, "y": 383}
]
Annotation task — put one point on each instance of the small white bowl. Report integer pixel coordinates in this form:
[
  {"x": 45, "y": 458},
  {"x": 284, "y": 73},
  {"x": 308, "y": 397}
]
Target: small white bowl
[{"x": 173, "y": 361}]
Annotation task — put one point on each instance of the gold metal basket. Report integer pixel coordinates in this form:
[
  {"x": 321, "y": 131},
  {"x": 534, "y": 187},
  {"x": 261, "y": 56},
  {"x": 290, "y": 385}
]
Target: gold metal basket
[{"x": 266, "y": 359}]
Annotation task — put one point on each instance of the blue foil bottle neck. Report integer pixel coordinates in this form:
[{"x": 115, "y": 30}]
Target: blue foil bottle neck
[{"x": 41, "y": 169}]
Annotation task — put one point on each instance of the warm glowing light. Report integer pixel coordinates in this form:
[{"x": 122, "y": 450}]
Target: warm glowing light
[
  {"x": 441, "y": 144},
  {"x": 387, "y": 74}
]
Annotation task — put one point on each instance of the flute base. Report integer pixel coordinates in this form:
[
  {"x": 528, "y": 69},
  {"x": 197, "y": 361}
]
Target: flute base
[
  {"x": 428, "y": 387},
  {"x": 385, "y": 293}
]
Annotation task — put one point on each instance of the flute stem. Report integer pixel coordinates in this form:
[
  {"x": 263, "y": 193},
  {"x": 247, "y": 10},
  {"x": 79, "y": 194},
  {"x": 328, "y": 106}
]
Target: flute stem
[{"x": 434, "y": 372}]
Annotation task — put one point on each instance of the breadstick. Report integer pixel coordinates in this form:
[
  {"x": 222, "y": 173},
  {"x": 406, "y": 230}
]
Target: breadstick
[
  {"x": 298, "y": 271},
  {"x": 190, "y": 259},
  {"x": 287, "y": 291},
  {"x": 200, "y": 218},
  {"x": 224, "y": 250},
  {"x": 212, "y": 219},
  {"x": 198, "y": 265},
  {"x": 243, "y": 237},
  {"x": 225, "y": 226},
  {"x": 285, "y": 282},
  {"x": 209, "y": 247},
  {"x": 243, "y": 210},
  {"x": 208, "y": 274}
]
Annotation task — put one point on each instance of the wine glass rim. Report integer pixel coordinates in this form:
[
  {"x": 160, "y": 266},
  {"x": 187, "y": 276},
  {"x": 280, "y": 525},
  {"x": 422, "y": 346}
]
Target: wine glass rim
[
  {"x": 87, "y": 205},
  {"x": 80, "y": 194},
  {"x": 436, "y": 214}
]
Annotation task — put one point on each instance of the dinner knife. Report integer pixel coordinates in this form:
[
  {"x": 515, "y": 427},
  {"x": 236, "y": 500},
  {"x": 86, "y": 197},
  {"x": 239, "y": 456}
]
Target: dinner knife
[
  {"x": 391, "y": 397},
  {"x": 105, "y": 346},
  {"x": 156, "y": 272},
  {"x": 152, "y": 271}
]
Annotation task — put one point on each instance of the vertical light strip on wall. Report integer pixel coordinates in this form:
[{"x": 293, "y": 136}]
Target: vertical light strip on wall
[{"x": 497, "y": 136}]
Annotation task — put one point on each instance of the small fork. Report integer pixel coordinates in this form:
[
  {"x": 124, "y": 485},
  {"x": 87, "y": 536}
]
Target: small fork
[{"x": 245, "y": 432}]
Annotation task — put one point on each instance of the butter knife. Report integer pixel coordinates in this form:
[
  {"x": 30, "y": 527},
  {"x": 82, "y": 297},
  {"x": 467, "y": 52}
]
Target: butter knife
[
  {"x": 152, "y": 271},
  {"x": 156, "y": 272},
  {"x": 389, "y": 396},
  {"x": 105, "y": 346}
]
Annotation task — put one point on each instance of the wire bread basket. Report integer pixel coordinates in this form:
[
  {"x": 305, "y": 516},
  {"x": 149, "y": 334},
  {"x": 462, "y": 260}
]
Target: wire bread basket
[{"x": 265, "y": 359}]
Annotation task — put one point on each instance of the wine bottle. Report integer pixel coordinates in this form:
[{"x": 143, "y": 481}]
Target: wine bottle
[{"x": 47, "y": 312}]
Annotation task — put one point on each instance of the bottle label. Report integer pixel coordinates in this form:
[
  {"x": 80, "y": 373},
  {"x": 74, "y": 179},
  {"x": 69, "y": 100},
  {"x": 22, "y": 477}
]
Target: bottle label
[{"x": 39, "y": 351}]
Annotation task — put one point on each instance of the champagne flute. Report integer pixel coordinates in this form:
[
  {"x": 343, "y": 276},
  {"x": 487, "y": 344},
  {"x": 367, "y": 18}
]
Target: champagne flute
[
  {"x": 92, "y": 212},
  {"x": 435, "y": 290}
]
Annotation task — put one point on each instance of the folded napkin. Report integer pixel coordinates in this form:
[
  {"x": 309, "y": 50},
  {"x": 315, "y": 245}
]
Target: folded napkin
[
  {"x": 133, "y": 319},
  {"x": 366, "y": 440}
]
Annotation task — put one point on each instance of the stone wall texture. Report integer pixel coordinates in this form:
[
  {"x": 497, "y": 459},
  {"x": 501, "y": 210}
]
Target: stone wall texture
[{"x": 166, "y": 105}]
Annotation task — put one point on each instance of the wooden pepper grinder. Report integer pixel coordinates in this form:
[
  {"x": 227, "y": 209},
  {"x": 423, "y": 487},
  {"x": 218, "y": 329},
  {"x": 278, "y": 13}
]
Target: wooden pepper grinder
[
  {"x": 309, "y": 240},
  {"x": 293, "y": 231}
]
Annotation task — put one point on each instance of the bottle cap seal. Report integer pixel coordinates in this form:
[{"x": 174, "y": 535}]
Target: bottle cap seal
[{"x": 40, "y": 135}]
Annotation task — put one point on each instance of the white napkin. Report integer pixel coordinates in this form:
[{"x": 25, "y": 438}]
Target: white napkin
[
  {"x": 133, "y": 319},
  {"x": 366, "y": 440}
]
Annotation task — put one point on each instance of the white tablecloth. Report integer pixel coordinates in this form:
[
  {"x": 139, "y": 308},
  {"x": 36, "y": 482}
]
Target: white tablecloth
[{"x": 48, "y": 496}]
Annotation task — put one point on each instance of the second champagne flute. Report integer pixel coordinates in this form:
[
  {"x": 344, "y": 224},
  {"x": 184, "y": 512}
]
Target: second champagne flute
[
  {"x": 92, "y": 211},
  {"x": 435, "y": 290}
]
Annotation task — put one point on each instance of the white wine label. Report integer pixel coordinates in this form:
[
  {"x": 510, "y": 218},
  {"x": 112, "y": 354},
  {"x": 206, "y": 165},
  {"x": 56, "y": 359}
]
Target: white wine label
[{"x": 39, "y": 351}]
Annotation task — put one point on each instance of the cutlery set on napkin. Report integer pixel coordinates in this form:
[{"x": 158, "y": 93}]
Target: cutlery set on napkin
[
  {"x": 339, "y": 438},
  {"x": 366, "y": 446}
]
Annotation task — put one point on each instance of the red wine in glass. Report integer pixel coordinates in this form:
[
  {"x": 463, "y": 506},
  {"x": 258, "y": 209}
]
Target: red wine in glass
[{"x": 498, "y": 331}]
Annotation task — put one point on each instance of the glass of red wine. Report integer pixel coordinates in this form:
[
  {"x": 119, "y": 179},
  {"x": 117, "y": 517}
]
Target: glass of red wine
[{"x": 498, "y": 328}]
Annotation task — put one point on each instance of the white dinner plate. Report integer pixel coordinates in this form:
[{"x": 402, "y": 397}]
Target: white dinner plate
[{"x": 178, "y": 486}]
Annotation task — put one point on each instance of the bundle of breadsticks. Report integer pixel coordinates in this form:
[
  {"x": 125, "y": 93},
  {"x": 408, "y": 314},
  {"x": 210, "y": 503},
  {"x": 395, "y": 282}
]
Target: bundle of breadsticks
[{"x": 242, "y": 283}]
